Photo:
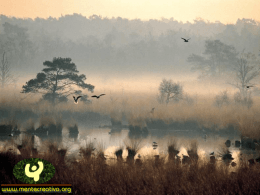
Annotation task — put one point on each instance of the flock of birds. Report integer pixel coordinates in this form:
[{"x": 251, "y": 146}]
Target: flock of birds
[{"x": 77, "y": 98}]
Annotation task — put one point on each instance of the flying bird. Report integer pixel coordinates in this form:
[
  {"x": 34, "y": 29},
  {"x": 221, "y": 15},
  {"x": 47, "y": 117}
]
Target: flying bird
[
  {"x": 186, "y": 40},
  {"x": 76, "y": 99},
  {"x": 249, "y": 86},
  {"x": 98, "y": 96},
  {"x": 211, "y": 153}
]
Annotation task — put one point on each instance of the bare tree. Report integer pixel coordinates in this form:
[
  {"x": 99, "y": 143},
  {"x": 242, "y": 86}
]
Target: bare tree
[
  {"x": 246, "y": 70},
  {"x": 6, "y": 77},
  {"x": 169, "y": 90}
]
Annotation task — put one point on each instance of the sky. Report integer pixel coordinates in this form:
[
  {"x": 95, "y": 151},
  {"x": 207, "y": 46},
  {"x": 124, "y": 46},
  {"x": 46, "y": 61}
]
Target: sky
[{"x": 225, "y": 11}]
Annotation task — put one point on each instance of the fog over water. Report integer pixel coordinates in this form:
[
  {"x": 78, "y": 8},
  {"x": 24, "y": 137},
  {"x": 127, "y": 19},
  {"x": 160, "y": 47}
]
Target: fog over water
[{"x": 156, "y": 85}]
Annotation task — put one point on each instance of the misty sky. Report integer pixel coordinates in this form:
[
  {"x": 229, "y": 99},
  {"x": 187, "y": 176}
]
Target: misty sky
[{"x": 225, "y": 11}]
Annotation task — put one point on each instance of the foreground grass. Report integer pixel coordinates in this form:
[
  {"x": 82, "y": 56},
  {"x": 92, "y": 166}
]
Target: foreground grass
[{"x": 152, "y": 176}]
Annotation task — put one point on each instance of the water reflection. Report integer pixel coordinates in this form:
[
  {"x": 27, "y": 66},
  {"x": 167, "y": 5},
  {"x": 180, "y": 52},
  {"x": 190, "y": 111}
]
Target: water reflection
[{"x": 112, "y": 139}]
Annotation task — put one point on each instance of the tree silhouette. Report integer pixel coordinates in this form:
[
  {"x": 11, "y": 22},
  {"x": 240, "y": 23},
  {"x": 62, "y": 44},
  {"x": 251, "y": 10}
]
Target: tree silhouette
[
  {"x": 56, "y": 81},
  {"x": 219, "y": 59},
  {"x": 246, "y": 71},
  {"x": 169, "y": 90},
  {"x": 15, "y": 42},
  {"x": 6, "y": 76}
]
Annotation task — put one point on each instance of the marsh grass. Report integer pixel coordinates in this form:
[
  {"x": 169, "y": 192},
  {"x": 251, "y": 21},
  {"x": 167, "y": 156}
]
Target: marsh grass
[
  {"x": 192, "y": 151},
  {"x": 137, "y": 110},
  {"x": 133, "y": 146},
  {"x": 87, "y": 151},
  {"x": 26, "y": 146},
  {"x": 173, "y": 149},
  {"x": 119, "y": 153},
  {"x": 152, "y": 177},
  {"x": 90, "y": 176}
]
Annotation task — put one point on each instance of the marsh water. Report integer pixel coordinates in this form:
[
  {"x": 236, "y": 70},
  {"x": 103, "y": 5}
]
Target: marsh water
[{"x": 110, "y": 139}]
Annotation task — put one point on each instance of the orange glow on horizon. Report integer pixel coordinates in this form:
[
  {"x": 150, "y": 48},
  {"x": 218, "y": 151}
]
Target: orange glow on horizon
[{"x": 217, "y": 10}]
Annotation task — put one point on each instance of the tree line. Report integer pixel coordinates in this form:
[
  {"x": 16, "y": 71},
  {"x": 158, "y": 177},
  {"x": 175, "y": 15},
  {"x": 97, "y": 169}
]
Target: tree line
[{"x": 101, "y": 41}]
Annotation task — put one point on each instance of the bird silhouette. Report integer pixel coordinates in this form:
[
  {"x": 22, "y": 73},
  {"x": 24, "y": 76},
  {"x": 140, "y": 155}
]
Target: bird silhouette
[
  {"x": 211, "y": 153},
  {"x": 186, "y": 40},
  {"x": 155, "y": 145},
  {"x": 249, "y": 86},
  {"x": 98, "y": 96},
  {"x": 76, "y": 99}
]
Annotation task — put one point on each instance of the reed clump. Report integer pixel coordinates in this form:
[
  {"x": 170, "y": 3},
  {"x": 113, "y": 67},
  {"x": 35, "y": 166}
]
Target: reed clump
[
  {"x": 87, "y": 151},
  {"x": 119, "y": 153},
  {"x": 132, "y": 146},
  {"x": 172, "y": 149}
]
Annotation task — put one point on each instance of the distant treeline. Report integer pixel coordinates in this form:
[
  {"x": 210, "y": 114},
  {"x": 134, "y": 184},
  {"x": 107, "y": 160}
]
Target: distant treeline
[{"x": 118, "y": 43}]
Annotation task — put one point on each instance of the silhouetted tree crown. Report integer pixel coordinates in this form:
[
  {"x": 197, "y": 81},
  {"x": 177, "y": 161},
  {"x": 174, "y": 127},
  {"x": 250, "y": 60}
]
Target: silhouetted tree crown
[
  {"x": 218, "y": 59},
  {"x": 246, "y": 71},
  {"x": 169, "y": 90},
  {"x": 56, "y": 81}
]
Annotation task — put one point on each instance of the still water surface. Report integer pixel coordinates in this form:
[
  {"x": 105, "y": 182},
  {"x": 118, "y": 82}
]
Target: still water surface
[{"x": 109, "y": 141}]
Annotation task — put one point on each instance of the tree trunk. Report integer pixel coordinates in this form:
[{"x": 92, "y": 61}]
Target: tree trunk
[
  {"x": 54, "y": 91},
  {"x": 53, "y": 98},
  {"x": 168, "y": 98},
  {"x": 3, "y": 70}
]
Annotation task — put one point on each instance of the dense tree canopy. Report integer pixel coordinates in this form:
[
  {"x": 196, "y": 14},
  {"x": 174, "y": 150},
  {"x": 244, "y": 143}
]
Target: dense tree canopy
[
  {"x": 121, "y": 42},
  {"x": 15, "y": 42},
  {"x": 218, "y": 59}
]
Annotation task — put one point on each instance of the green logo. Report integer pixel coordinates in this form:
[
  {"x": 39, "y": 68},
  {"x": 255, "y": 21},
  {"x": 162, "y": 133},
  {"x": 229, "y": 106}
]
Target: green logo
[{"x": 34, "y": 171}]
